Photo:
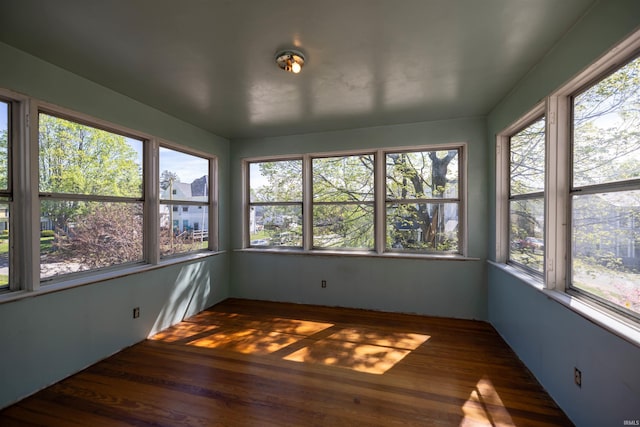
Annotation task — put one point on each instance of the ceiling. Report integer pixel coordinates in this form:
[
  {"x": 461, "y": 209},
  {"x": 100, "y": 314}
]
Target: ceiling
[{"x": 369, "y": 62}]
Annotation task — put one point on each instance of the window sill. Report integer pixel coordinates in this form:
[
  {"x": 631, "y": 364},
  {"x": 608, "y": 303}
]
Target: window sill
[
  {"x": 101, "y": 276},
  {"x": 617, "y": 325},
  {"x": 362, "y": 254}
]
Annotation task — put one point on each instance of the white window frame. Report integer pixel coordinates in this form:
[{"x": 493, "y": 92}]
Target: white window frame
[
  {"x": 246, "y": 197},
  {"x": 503, "y": 184},
  {"x": 83, "y": 120},
  {"x": 24, "y": 219},
  {"x": 557, "y": 109},
  {"x": 379, "y": 202},
  {"x": 372, "y": 203},
  {"x": 212, "y": 216}
]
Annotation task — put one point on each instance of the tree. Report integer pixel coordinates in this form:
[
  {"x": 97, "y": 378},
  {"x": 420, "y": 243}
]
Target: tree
[
  {"x": 111, "y": 234},
  {"x": 343, "y": 196},
  {"x": 167, "y": 178},
  {"x": 421, "y": 175},
  {"x": 82, "y": 160}
]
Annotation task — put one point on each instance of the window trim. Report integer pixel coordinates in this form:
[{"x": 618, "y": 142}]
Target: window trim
[
  {"x": 503, "y": 181},
  {"x": 378, "y": 203},
  {"x": 24, "y": 219},
  {"x": 558, "y": 182}
]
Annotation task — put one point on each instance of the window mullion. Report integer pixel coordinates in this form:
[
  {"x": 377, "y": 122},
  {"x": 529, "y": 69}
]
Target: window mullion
[
  {"x": 307, "y": 203},
  {"x": 557, "y": 187},
  {"x": 214, "y": 241},
  {"x": 502, "y": 199},
  {"x": 26, "y": 219},
  {"x": 151, "y": 201},
  {"x": 380, "y": 195}
]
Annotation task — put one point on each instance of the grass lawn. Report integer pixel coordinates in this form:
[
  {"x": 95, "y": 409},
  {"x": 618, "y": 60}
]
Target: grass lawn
[{"x": 45, "y": 245}]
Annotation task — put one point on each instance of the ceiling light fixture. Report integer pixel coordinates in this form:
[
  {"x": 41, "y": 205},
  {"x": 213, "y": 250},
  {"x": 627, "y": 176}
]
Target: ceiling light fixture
[{"x": 290, "y": 60}]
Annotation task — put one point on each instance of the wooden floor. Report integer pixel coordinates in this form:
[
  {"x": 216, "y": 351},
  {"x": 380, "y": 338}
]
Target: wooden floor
[{"x": 250, "y": 363}]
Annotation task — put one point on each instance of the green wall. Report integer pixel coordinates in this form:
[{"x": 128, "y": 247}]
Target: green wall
[
  {"x": 48, "y": 337},
  {"x": 550, "y": 338},
  {"x": 425, "y": 286}
]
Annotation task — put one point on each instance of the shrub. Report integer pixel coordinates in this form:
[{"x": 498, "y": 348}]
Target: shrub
[{"x": 47, "y": 233}]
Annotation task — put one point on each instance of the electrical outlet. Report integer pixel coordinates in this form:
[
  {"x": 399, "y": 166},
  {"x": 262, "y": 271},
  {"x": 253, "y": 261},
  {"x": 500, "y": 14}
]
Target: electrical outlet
[
  {"x": 324, "y": 284},
  {"x": 136, "y": 312},
  {"x": 577, "y": 377}
]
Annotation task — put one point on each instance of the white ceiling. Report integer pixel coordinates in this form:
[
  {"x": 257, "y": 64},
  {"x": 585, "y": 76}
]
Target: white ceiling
[{"x": 369, "y": 63}]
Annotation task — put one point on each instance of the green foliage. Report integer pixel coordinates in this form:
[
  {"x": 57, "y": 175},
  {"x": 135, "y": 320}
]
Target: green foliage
[
  {"x": 47, "y": 233},
  {"x": 79, "y": 159}
]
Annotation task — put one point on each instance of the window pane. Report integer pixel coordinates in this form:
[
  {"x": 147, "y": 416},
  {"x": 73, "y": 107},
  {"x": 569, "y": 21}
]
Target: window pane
[
  {"x": 343, "y": 226},
  {"x": 422, "y": 175},
  {"x": 526, "y": 232},
  {"x": 606, "y": 246},
  {"x": 183, "y": 177},
  {"x": 606, "y": 129},
  {"x": 527, "y": 149},
  {"x": 4, "y": 244},
  {"x": 4, "y": 146},
  {"x": 79, "y": 236},
  {"x": 79, "y": 159},
  {"x": 343, "y": 179},
  {"x": 279, "y": 181},
  {"x": 275, "y": 225},
  {"x": 183, "y": 230},
  {"x": 423, "y": 226}
]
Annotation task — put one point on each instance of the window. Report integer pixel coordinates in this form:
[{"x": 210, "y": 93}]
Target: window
[
  {"x": 526, "y": 196},
  {"x": 402, "y": 200},
  {"x": 184, "y": 178},
  {"x": 568, "y": 187},
  {"x": 343, "y": 202},
  {"x": 83, "y": 210},
  {"x": 5, "y": 193},
  {"x": 605, "y": 190},
  {"x": 91, "y": 198},
  {"x": 422, "y": 201},
  {"x": 275, "y": 203}
]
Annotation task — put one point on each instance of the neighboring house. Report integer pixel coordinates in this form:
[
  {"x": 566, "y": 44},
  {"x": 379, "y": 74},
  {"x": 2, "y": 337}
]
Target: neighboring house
[{"x": 187, "y": 218}]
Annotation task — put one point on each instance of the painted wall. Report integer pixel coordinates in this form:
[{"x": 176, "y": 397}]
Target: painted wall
[
  {"x": 550, "y": 338},
  {"x": 48, "y": 337},
  {"x": 432, "y": 287}
]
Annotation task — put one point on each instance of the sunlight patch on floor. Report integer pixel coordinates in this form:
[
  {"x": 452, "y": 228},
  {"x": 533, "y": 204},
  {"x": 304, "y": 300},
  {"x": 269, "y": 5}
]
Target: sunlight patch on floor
[
  {"x": 400, "y": 340},
  {"x": 247, "y": 341},
  {"x": 182, "y": 331},
  {"x": 485, "y": 407},
  {"x": 372, "y": 359}
]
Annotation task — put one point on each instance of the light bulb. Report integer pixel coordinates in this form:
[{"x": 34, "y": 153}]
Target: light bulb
[{"x": 295, "y": 68}]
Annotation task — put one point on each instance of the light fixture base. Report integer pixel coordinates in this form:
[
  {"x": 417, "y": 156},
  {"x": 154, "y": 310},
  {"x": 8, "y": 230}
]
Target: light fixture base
[{"x": 290, "y": 60}]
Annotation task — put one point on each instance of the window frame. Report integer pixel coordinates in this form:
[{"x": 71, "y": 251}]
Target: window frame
[
  {"x": 13, "y": 109},
  {"x": 211, "y": 203},
  {"x": 459, "y": 201},
  {"x": 315, "y": 203},
  {"x": 248, "y": 204},
  {"x": 64, "y": 114},
  {"x": 379, "y": 202},
  {"x": 557, "y": 108},
  {"x": 25, "y": 280},
  {"x": 503, "y": 185}
]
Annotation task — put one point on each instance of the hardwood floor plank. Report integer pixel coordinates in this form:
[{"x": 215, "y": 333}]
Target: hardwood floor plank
[{"x": 256, "y": 363}]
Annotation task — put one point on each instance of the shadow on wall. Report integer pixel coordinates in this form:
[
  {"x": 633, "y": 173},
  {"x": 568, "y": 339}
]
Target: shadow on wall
[{"x": 188, "y": 294}]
